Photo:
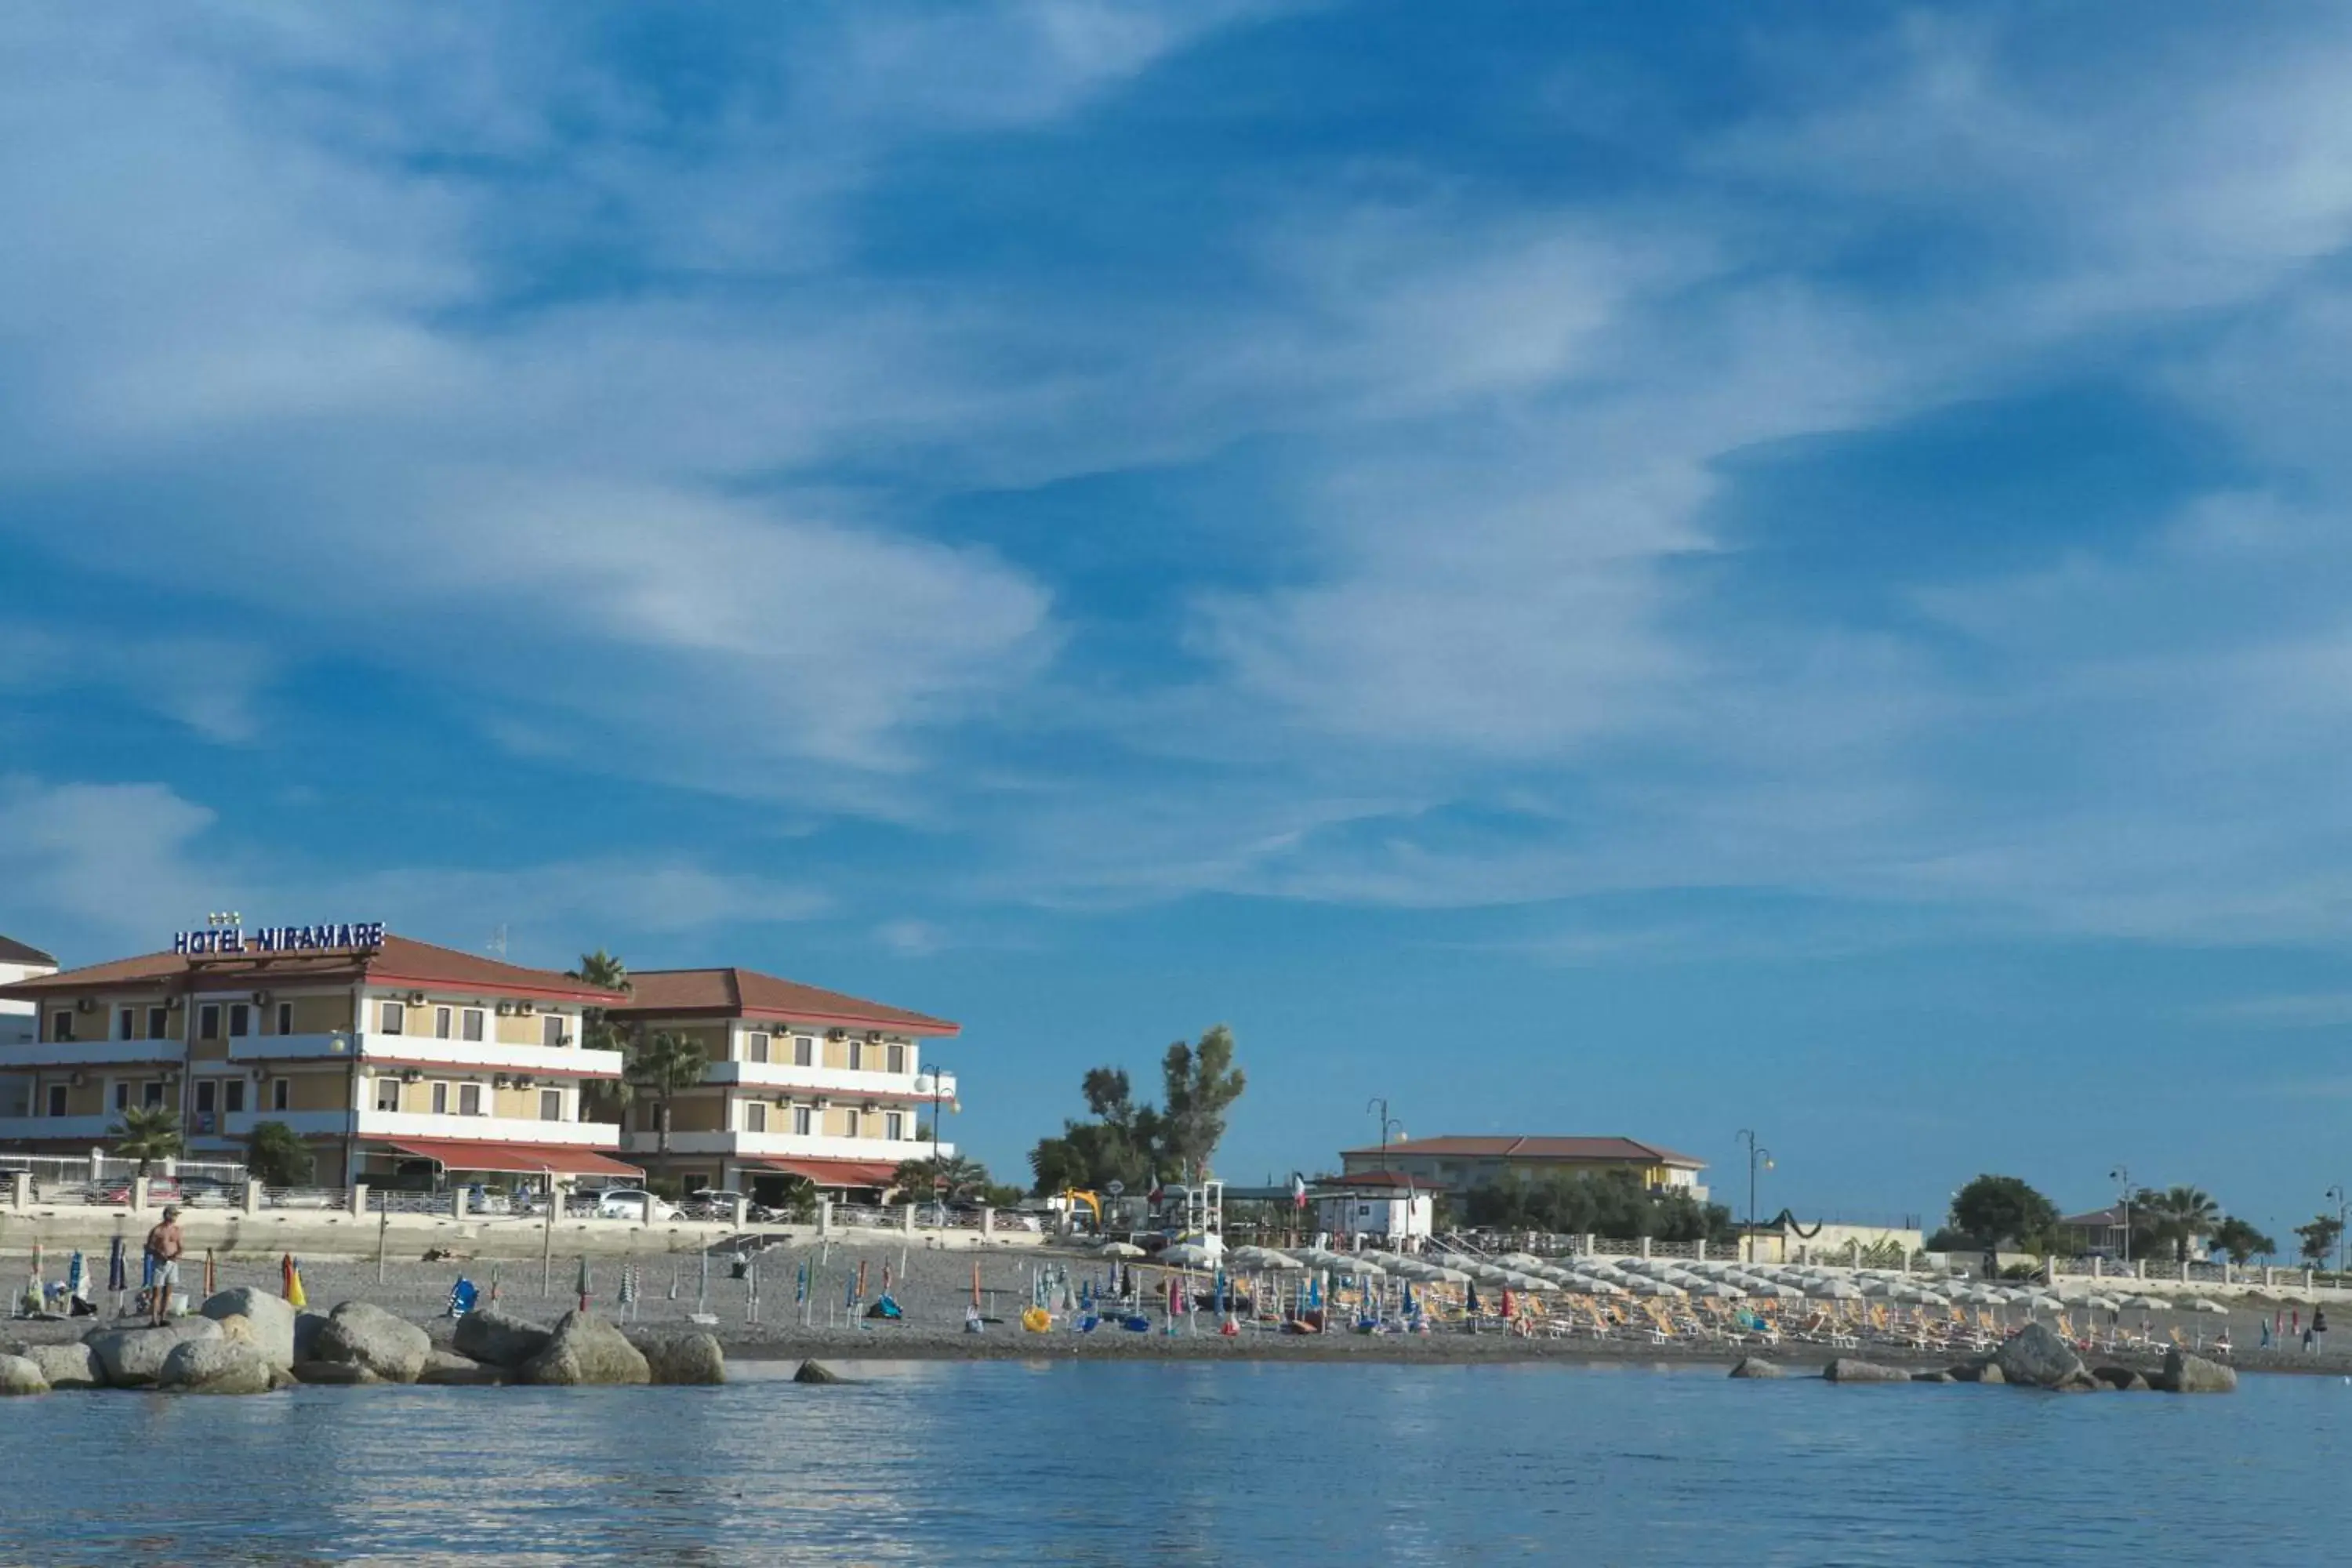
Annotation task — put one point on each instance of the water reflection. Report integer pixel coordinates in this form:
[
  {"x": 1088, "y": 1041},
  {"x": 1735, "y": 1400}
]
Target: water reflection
[{"x": 1181, "y": 1462}]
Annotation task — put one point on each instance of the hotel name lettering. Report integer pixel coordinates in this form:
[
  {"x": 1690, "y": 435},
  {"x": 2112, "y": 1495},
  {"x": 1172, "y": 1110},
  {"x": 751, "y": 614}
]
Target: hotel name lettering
[{"x": 214, "y": 940}]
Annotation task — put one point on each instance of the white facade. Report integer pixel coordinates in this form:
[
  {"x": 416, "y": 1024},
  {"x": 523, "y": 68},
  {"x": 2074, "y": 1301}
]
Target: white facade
[
  {"x": 20, "y": 1023},
  {"x": 1385, "y": 1215}
]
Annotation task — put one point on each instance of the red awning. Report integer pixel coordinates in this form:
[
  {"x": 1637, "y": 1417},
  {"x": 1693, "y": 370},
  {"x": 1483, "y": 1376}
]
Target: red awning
[
  {"x": 522, "y": 1158},
  {"x": 835, "y": 1173}
]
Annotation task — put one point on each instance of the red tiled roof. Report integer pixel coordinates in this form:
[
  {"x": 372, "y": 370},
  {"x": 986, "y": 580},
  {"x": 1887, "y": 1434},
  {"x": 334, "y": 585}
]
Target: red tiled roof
[
  {"x": 1619, "y": 1150},
  {"x": 1368, "y": 1179},
  {"x": 15, "y": 952},
  {"x": 739, "y": 992},
  {"x": 399, "y": 962},
  {"x": 522, "y": 1158}
]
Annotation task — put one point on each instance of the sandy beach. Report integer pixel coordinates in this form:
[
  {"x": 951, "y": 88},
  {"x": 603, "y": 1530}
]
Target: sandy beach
[{"x": 933, "y": 1290}]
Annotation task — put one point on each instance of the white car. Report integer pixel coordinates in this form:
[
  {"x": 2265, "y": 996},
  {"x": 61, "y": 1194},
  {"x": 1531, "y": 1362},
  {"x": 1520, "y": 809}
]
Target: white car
[{"x": 633, "y": 1202}]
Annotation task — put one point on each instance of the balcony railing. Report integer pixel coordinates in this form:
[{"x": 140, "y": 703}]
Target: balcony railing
[
  {"x": 85, "y": 1129},
  {"x": 417, "y": 1124},
  {"x": 86, "y": 1053},
  {"x": 840, "y": 1082},
  {"x": 787, "y": 1145},
  {"x": 487, "y": 1055}
]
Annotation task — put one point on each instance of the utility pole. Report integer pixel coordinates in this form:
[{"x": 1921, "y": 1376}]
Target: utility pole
[
  {"x": 2343, "y": 1212},
  {"x": 2121, "y": 1176},
  {"x": 1756, "y": 1152}
]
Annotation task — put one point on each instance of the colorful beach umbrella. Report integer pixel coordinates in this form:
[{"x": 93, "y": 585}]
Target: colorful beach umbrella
[{"x": 290, "y": 1273}]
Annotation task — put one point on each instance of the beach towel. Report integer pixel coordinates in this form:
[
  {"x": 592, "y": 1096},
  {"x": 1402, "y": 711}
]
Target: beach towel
[{"x": 461, "y": 1297}]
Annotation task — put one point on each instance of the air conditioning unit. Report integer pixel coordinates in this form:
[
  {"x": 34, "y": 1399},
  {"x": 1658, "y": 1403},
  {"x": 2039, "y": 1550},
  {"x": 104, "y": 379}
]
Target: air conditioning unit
[
  {"x": 873, "y": 1037},
  {"x": 837, "y": 1034},
  {"x": 172, "y": 1003},
  {"x": 525, "y": 1009},
  {"x": 261, "y": 998},
  {"x": 822, "y": 1103},
  {"x": 524, "y": 1080},
  {"x": 83, "y": 1005},
  {"x": 869, "y": 1107},
  {"x": 417, "y": 998},
  {"x": 77, "y": 1080},
  {"x": 499, "y": 1081},
  {"x": 410, "y": 1075},
  {"x": 784, "y": 1102},
  {"x": 505, "y": 1009}
]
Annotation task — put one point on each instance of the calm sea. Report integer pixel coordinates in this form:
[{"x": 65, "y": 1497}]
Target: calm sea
[{"x": 944, "y": 1462}]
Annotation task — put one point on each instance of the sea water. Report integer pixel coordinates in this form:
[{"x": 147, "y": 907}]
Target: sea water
[{"x": 1262, "y": 1462}]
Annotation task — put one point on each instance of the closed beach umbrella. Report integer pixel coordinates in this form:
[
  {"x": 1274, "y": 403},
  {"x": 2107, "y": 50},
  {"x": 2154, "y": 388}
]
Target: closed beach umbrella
[
  {"x": 2204, "y": 1304},
  {"x": 117, "y": 1276},
  {"x": 1122, "y": 1250},
  {"x": 289, "y": 1274}
]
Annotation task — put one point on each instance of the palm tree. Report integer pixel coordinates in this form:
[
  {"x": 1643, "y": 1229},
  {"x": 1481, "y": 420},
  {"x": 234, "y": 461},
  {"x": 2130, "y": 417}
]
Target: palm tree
[
  {"x": 944, "y": 1179},
  {"x": 148, "y": 1133},
  {"x": 603, "y": 1097},
  {"x": 2186, "y": 1214},
  {"x": 660, "y": 1067}
]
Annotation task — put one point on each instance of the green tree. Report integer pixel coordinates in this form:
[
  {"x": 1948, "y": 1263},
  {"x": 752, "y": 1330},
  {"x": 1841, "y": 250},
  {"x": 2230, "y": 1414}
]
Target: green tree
[
  {"x": 948, "y": 1177},
  {"x": 1615, "y": 1204},
  {"x": 1120, "y": 1144},
  {"x": 275, "y": 1157},
  {"x": 604, "y": 1099},
  {"x": 1202, "y": 1085},
  {"x": 796, "y": 1198},
  {"x": 2319, "y": 1238},
  {"x": 148, "y": 1133},
  {"x": 2182, "y": 1214},
  {"x": 1994, "y": 1209},
  {"x": 2241, "y": 1241},
  {"x": 660, "y": 1068}
]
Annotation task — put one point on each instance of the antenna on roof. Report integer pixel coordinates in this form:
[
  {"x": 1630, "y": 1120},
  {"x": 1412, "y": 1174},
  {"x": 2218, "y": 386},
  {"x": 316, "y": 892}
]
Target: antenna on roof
[{"x": 497, "y": 942}]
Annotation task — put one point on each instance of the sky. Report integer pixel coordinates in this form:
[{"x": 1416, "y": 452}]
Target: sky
[{"x": 1581, "y": 569}]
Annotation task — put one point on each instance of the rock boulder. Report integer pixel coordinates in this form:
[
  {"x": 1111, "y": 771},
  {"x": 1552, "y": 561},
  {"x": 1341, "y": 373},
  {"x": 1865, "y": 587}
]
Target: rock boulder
[
  {"x": 2120, "y": 1377},
  {"x": 676, "y": 1356},
  {"x": 2186, "y": 1373},
  {"x": 2037, "y": 1358},
  {"x": 1847, "y": 1369},
  {"x": 334, "y": 1374},
  {"x": 1938, "y": 1375},
  {"x": 360, "y": 1333},
  {"x": 18, "y": 1375},
  {"x": 448, "y": 1368},
  {"x": 585, "y": 1349},
  {"x": 132, "y": 1358},
  {"x": 815, "y": 1371},
  {"x": 216, "y": 1366},
  {"x": 1756, "y": 1366},
  {"x": 487, "y": 1334},
  {"x": 66, "y": 1366},
  {"x": 270, "y": 1320}
]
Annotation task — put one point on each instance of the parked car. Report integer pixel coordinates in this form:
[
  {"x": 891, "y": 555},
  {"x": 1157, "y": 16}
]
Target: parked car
[
  {"x": 160, "y": 1190},
  {"x": 210, "y": 1192},
  {"x": 633, "y": 1202},
  {"x": 718, "y": 1204}
]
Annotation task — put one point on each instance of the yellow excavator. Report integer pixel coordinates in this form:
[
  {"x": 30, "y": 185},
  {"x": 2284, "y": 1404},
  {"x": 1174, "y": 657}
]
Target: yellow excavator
[{"x": 1074, "y": 1196}]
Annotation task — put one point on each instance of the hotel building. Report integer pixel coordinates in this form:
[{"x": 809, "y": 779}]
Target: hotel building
[
  {"x": 798, "y": 1082},
  {"x": 1456, "y": 1163},
  {"x": 19, "y": 1024},
  {"x": 397, "y": 1061}
]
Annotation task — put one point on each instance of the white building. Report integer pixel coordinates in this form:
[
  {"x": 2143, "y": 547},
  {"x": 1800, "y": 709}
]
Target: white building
[
  {"x": 20, "y": 1021},
  {"x": 1382, "y": 1209}
]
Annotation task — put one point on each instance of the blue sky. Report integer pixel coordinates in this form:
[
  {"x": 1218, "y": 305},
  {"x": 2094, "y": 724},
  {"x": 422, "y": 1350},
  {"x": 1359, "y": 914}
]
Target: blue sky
[{"x": 1585, "y": 568}]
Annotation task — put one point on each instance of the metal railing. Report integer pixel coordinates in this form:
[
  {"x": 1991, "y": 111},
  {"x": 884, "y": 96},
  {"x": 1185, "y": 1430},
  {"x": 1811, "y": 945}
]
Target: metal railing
[{"x": 305, "y": 1198}]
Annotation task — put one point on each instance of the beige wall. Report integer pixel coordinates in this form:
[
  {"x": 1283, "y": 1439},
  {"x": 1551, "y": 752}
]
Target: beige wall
[
  {"x": 317, "y": 1015},
  {"x": 321, "y": 1088}
]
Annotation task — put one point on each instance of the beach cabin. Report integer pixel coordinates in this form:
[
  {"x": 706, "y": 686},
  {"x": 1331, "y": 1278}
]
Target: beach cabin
[{"x": 1383, "y": 1208}]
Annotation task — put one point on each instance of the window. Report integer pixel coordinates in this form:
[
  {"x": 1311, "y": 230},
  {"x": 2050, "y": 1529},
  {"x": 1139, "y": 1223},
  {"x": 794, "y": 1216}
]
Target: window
[
  {"x": 442, "y": 1019},
  {"x": 755, "y": 1116},
  {"x": 150, "y": 1094},
  {"x": 286, "y": 1017},
  {"x": 551, "y": 1105},
  {"x": 803, "y": 1051},
  {"x": 240, "y": 1020},
  {"x": 755, "y": 1048},
  {"x": 849, "y": 1124},
  {"x": 550, "y": 1030},
  {"x": 897, "y": 1057},
  {"x": 56, "y": 1100},
  {"x": 62, "y": 1025},
  {"x": 126, "y": 1024},
  {"x": 803, "y": 1120},
  {"x": 473, "y": 1022},
  {"x": 856, "y": 1056},
  {"x": 278, "y": 1093},
  {"x": 387, "y": 1094},
  {"x": 392, "y": 1017},
  {"x": 233, "y": 1096},
  {"x": 208, "y": 1021},
  {"x": 470, "y": 1100},
  {"x": 894, "y": 1125},
  {"x": 159, "y": 1023},
  {"x": 440, "y": 1100},
  {"x": 122, "y": 1095},
  {"x": 208, "y": 1096}
]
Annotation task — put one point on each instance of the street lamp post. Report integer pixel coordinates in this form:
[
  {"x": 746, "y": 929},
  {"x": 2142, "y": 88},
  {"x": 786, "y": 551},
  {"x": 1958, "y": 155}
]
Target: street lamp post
[
  {"x": 1757, "y": 1153},
  {"x": 2121, "y": 1176},
  {"x": 1382, "y": 1105},
  {"x": 2343, "y": 1212}
]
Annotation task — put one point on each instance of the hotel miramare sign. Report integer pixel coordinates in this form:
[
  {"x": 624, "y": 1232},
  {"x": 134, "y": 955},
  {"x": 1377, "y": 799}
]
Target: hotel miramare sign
[{"x": 363, "y": 936}]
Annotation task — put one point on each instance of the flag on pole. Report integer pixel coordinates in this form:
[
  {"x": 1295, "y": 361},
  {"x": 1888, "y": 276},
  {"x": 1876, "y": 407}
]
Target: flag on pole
[{"x": 1297, "y": 1190}]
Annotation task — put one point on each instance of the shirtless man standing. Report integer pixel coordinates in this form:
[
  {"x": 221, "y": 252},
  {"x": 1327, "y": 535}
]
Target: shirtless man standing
[{"x": 163, "y": 1247}]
